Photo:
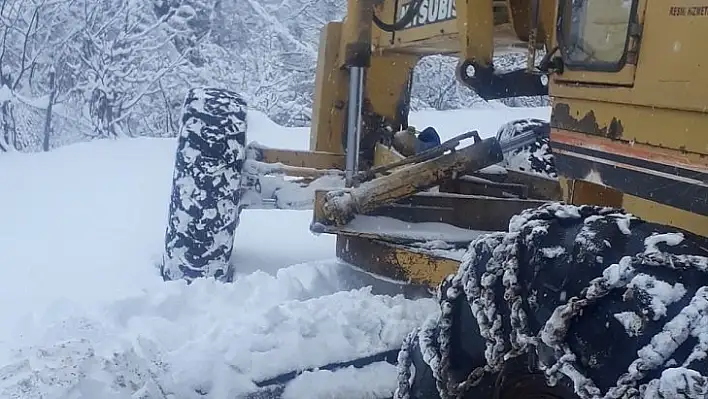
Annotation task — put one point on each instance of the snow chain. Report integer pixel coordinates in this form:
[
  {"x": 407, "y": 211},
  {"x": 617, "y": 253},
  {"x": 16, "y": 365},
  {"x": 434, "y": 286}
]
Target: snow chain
[{"x": 434, "y": 339}]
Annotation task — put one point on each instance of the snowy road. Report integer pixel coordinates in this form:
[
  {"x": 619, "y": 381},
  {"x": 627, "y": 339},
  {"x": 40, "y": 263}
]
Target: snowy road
[{"x": 86, "y": 314}]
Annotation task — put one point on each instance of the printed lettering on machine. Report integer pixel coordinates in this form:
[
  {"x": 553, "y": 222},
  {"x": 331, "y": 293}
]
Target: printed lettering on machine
[{"x": 431, "y": 11}]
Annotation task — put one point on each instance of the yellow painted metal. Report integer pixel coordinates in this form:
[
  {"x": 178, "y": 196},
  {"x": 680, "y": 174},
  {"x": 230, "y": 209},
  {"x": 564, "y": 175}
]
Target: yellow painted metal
[
  {"x": 580, "y": 192},
  {"x": 475, "y": 23},
  {"x": 396, "y": 262},
  {"x": 328, "y": 115},
  {"x": 387, "y": 81},
  {"x": 680, "y": 134},
  {"x": 306, "y": 159},
  {"x": 384, "y": 155},
  {"x": 652, "y": 104},
  {"x": 659, "y": 213}
]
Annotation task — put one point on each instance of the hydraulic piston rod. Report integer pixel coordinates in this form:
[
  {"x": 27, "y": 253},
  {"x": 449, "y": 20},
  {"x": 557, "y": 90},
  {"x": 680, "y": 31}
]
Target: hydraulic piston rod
[{"x": 356, "y": 90}]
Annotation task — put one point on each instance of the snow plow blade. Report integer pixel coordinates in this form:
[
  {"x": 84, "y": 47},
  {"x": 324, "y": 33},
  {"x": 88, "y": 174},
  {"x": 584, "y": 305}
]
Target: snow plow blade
[{"x": 420, "y": 240}]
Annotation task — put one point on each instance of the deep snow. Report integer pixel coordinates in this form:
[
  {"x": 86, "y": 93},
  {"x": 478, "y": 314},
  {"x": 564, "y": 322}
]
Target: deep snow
[{"x": 85, "y": 313}]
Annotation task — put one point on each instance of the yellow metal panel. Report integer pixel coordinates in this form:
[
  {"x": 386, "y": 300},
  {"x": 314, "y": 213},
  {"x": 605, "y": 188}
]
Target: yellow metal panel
[
  {"x": 673, "y": 65},
  {"x": 395, "y": 262},
  {"x": 659, "y": 213},
  {"x": 586, "y": 193},
  {"x": 686, "y": 132},
  {"x": 355, "y": 43},
  {"x": 424, "y": 268},
  {"x": 384, "y": 155},
  {"x": 386, "y": 82},
  {"x": 475, "y": 22},
  {"x": 385, "y": 11},
  {"x": 582, "y": 193},
  {"x": 427, "y": 32},
  {"x": 330, "y": 94},
  {"x": 547, "y": 16},
  {"x": 316, "y": 160}
]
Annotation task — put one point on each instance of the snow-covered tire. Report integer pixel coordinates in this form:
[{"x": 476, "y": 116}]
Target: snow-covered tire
[
  {"x": 590, "y": 301},
  {"x": 535, "y": 158},
  {"x": 205, "y": 202}
]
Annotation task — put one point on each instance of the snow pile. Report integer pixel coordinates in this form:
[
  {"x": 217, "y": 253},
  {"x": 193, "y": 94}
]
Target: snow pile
[
  {"x": 372, "y": 381},
  {"x": 257, "y": 328},
  {"x": 677, "y": 383},
  {"x": 86, "y": 314},
  {"x": 631, "y": 322},
  {"x": 422, "y": 231},
  {"x": 659, "y": 294}
]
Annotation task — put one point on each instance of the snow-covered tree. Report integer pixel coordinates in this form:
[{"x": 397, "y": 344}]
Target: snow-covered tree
[
  {"x": 78, "y": 69},
  {"x": 32, "y": 38},
  {"x": 123, "y": 52}
]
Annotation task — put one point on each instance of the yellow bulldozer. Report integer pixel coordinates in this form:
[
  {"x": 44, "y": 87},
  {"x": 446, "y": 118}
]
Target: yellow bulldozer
[{"x": 571, "y": 255}]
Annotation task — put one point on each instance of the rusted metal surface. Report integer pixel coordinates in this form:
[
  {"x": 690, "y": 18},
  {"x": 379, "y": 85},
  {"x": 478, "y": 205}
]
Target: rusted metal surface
[
  {"x": 465, "y": 211},
  {"x": 491, "y": 176},
  {"x": 415, "y": 268},
  {"x": 305, "y": 159},
  {"x": 471, "y": 185},
  {"x": 340, "y": 206},
  {"x": 539, "y": 187},
  {"x": 384, "y": 155},
  {"x": 562, "y": 118},
  {"x": 399, "y": 258}
]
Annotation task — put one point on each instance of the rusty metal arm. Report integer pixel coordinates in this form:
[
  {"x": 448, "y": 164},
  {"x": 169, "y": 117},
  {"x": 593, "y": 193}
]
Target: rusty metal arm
[{"x": 340, "y": 206}]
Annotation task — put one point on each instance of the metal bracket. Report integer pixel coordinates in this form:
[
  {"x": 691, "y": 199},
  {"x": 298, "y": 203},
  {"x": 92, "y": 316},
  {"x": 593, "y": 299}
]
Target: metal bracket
[{"x": 491, "y": 85}]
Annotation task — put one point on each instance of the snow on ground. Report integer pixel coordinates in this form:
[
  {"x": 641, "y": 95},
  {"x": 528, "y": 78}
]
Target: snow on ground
[{"x": 85, "y": 313}]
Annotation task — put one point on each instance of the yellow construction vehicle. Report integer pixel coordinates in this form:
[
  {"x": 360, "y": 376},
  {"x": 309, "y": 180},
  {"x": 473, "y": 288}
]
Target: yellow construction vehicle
[{"x": 581, "y": 274}]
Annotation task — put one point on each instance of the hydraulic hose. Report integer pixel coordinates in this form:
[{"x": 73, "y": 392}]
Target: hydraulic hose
[{"x": 407, "y": 18}]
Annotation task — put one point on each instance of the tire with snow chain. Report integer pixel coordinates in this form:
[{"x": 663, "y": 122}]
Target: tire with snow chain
[
  {"x": 572, "y": 302},
  {"x": 534, "y": 158},
  {"x": 205, "y": 202}
]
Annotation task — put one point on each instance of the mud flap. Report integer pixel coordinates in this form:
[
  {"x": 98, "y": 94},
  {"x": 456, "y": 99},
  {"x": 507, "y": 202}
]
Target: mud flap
[
  {"x": 597, "y": 302},
  {"x": 205, "y": 201}
]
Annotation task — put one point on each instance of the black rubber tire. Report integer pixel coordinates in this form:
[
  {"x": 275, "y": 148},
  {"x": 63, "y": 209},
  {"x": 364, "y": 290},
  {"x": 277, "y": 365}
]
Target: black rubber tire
[
  {"x": 603, "y": 304},
  {"x": 535, "y": 158},
  {"x": 205, "y": 202}
]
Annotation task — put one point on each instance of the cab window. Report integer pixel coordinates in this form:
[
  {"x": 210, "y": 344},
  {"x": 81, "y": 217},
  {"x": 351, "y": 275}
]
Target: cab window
[{"x": 594, "y": 34}]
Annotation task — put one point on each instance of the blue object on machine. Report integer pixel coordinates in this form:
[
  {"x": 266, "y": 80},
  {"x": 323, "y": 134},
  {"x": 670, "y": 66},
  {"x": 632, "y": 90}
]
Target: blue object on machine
[{"x": 427, "y": 139}]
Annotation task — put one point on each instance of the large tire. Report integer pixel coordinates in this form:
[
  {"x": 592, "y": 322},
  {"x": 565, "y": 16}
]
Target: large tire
[
  {"x": 205, "y": 202},
  {"x": 534, "y": 158},
  {"x": 572, "y": 302}
]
